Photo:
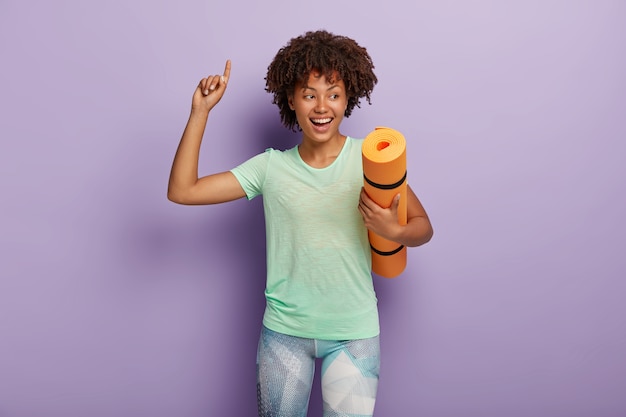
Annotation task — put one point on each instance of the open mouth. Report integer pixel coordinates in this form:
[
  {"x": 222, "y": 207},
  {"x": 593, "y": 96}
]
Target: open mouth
[{"x": 321, "y": 122}]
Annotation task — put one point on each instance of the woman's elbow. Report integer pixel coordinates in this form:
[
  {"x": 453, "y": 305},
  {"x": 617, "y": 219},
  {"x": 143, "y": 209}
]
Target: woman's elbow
[
  {"x": 423, "y": 234},
  {"x": 428, "y": 235},
  {"x": 177, "y": 197}
]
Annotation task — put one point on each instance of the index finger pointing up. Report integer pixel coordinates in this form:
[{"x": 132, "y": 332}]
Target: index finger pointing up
[{"x": 226, "y": 75}]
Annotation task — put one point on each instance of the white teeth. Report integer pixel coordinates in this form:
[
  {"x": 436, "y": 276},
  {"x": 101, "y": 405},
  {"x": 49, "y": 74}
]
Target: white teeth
[{"x": 321, "y": 121}]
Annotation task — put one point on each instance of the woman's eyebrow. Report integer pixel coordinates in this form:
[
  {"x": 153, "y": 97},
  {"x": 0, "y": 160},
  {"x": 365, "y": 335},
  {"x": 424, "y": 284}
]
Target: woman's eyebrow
[{"x": 305, "y": 87}]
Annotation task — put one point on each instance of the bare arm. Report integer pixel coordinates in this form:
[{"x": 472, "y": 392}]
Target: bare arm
[
  {"x": 184, "y": 185},
  {"x": 384, "y": 221}
]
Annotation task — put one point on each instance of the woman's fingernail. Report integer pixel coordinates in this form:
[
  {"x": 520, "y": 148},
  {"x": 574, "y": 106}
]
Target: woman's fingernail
[{"x": 206, "y": 92}]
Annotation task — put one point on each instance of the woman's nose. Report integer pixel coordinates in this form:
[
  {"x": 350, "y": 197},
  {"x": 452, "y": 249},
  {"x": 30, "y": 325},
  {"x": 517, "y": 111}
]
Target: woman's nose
[{"x": 320, "y": 105}]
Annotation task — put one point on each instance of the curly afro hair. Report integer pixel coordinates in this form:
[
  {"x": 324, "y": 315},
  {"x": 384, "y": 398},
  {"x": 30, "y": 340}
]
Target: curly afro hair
[{"x": 324, "y": 52}]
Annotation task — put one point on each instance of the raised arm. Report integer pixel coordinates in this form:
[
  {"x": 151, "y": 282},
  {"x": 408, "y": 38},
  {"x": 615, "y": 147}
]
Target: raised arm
[
  {"x": 384, "y": 221},
  {"x": 184, "y": 186}
]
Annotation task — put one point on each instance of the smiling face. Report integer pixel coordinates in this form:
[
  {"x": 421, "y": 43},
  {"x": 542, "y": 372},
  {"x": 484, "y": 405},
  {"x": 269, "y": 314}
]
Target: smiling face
[{"x": 320, "y": 105}]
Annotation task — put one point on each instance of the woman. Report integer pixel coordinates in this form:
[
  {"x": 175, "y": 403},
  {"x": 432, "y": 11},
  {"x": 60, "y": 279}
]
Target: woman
[{"x": 320, "y": 300}]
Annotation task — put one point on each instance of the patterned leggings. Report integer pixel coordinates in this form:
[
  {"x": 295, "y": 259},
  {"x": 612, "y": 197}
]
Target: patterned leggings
[{"x": 285, "y": 368}]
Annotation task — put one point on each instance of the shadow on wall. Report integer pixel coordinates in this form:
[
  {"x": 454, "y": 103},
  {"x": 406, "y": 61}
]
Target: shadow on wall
[
  {"x": 270, "y": 131},
  {"x": 162, "y": 252}
]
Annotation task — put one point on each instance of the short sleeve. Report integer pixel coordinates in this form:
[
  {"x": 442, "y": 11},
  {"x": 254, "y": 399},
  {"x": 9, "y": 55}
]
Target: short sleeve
[{"x": 251, "y": 174}]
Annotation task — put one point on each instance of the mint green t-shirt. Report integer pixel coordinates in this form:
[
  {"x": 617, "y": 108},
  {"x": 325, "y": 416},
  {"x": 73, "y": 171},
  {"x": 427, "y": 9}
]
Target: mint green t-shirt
[{"x": 319, "y": 281}]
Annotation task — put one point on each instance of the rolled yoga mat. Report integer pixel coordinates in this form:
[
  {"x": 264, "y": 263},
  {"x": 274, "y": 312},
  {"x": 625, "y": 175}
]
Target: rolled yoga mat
[{"x": 384, "y": 174}]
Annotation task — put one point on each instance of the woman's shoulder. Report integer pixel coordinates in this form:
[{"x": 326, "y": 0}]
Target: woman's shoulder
[{"x": 355, "y": 144}]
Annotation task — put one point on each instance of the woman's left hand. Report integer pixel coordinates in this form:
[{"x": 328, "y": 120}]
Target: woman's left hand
[{"x": 382, "y": 221}]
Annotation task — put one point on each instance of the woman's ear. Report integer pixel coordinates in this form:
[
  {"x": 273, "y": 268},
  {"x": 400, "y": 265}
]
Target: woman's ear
[{"x": 290, "y": 102}]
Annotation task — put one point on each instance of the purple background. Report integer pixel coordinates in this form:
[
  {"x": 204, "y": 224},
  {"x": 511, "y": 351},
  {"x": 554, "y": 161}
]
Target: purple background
[{"x": 116, "y": 302}]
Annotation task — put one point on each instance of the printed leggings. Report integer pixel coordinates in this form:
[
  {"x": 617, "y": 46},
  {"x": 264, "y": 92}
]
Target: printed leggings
[{"x": 285, "y": 368}]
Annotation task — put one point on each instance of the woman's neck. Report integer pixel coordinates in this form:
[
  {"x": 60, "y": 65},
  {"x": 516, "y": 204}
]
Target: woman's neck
[{"x": 321, "y": 155}]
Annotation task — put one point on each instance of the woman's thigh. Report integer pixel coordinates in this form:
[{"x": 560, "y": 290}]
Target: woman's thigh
[
  {"x": 285, "y": 368},
  {"x": 350, "y": 377}
]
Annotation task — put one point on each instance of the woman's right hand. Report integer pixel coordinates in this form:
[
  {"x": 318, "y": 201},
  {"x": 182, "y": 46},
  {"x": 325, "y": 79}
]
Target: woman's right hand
[{"x": 210, "y": 90}]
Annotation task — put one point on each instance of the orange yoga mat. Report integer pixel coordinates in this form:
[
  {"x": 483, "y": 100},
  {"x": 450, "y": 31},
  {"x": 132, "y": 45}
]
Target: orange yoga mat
[{"x": 384, "y": 173}]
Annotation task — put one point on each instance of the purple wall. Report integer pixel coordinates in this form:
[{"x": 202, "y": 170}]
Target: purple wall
[{"x": 115, "y": 302}]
